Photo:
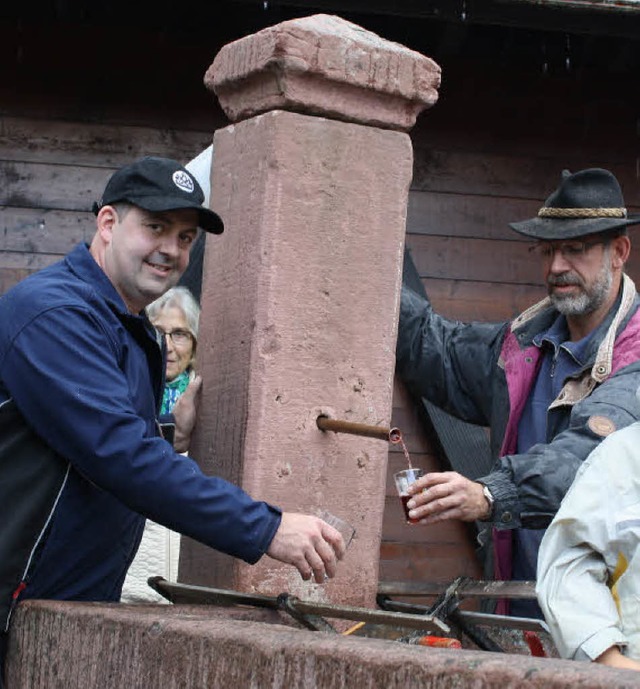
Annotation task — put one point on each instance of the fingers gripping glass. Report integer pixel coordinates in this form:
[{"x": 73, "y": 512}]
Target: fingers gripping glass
[
  {"x": 179, "y": 337},
  {"x": 346, "y": 530},
  {"x": 570, "y": 251}
]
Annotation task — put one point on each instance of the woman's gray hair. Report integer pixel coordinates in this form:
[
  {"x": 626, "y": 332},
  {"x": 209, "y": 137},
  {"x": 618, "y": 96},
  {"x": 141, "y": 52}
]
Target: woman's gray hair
[{"x": 181, "y": 298}]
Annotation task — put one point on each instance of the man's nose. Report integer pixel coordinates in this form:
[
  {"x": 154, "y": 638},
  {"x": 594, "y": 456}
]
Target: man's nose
[
  {"x": 558, "y": 263},
  {"x": 170, "y": 245}
]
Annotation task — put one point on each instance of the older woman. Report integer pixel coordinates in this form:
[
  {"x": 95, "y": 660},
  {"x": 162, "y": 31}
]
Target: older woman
[{"x": 176, "y": 315}]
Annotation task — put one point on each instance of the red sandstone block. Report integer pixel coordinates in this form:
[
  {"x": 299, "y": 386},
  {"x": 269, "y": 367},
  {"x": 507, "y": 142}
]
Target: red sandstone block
[
  {"x": 324, "y": 65},
  {"x": 56, "y": 644}
]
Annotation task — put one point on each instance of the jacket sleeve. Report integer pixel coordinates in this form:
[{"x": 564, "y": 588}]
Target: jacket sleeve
[
  {"x": 529, "y": 487},
  {"x": 64, "y": 372},
  {"x": 579, "y": 552},
  {"x": 451, "y": 364}
]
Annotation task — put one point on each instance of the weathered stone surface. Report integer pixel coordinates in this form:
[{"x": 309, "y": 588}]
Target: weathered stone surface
[
  {"x": 300, "y": 306},
  {"x": 324, "y": 65},
  {"x": 60, "y": 645}
]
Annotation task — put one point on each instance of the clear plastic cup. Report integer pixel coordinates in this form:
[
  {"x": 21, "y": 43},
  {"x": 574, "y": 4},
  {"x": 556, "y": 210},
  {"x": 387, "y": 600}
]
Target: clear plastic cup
[
  {"x": 403, "y": 480},
  {"x": 347, "y": 531}
]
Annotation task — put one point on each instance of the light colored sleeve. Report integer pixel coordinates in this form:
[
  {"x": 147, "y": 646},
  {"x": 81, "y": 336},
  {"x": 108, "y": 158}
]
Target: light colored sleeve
[{"x": 577, "y": 553}]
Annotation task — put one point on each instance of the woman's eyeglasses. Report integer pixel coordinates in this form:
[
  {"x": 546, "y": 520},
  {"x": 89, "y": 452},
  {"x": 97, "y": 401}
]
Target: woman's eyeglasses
[{"x": 178, "y": 337}]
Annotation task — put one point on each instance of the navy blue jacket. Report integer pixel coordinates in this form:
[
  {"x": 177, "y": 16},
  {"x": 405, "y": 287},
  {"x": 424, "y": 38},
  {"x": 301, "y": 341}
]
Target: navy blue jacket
[{"x": 82, "y": 458}]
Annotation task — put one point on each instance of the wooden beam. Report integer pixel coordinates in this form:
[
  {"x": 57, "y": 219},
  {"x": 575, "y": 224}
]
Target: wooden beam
[
  {"x": 622, "y": 18},
  {"x": 602, "y": 5}
]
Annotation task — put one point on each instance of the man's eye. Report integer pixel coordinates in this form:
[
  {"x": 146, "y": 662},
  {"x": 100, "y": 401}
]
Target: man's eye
[
  {"x": 186, "y": 239},
  {"x": 572, "y": 249}
]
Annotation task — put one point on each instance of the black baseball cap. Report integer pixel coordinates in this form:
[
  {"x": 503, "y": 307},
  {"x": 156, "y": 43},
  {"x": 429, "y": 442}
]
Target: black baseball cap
[{"x": 159, "y": 184}]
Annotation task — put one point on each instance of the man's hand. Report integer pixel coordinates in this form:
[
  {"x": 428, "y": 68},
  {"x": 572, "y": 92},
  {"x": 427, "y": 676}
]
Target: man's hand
[
  {"x": 447, "y": 495},
  {"x": 309, "y": 544},
  {"x": 613, "y": 658},
  {"x": 184, "y": 413}
]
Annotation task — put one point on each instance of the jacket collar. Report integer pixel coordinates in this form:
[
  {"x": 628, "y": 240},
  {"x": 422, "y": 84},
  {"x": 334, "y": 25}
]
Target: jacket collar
[
  {"x": 542, "y": 314},
  {"x": 84, "y": 266}
]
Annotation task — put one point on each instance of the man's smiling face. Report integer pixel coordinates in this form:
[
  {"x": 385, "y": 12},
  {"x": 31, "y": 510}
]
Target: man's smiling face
[{"x": 146, "y": 252}]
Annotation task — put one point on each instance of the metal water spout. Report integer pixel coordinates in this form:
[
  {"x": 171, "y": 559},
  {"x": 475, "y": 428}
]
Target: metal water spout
[{"x": 391, "y": 435}]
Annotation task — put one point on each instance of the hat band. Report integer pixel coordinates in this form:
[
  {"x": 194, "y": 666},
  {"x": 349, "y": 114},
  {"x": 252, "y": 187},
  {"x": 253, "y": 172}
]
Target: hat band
[{"x": 549, "y": 212}]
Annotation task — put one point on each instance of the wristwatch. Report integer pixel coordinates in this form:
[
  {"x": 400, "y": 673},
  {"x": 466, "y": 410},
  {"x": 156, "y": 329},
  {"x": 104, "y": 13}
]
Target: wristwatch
[{"x": 488, "y": 496}]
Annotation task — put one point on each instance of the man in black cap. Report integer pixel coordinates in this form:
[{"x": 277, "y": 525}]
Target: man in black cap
[
  {"x": 82, "y": 461},
  {"x": 551, "y": 384}
]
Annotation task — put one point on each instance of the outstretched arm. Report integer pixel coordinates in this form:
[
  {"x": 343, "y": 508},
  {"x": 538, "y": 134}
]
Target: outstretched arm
[{"x": 308, "y": 543}]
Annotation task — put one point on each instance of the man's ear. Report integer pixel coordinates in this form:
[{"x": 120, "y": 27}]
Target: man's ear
[
  {"x": 106, "y": 219},
  {"x": 621, "y": 248}
]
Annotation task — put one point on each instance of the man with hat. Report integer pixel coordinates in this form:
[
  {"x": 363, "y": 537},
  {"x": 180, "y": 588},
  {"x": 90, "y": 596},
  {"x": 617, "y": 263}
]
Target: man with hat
[
  {"x": 82, "y": 460},
  {"x": 551, "y": 384}
]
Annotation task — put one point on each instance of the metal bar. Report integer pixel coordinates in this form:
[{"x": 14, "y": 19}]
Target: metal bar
[
  {"x": 391, "y": 435},
  {"x": 315, "y": 623},
  {"x": 200, "y": 595},
  {"x": 468, "y": 589},
  {"x": 480, "y": 638},
  {"x": 488, "y": 620},
  {"x": 425, "y": 622}
]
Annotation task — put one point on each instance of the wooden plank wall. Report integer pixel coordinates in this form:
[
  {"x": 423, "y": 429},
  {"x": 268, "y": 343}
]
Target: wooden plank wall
[
  {"x": 51, "y": 172},
  {"x": 490, "y": 152}
]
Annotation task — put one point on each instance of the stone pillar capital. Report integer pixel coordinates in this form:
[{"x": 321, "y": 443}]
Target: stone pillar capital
[{"x": 324, "y": 65}]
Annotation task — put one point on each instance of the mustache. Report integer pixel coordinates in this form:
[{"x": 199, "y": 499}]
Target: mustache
[{"x": 564, "y": 279}]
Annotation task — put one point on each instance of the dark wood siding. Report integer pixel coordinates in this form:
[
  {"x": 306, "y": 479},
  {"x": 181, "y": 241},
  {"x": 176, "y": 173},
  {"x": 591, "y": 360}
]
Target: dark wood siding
[{"x": 489, "y": 152}]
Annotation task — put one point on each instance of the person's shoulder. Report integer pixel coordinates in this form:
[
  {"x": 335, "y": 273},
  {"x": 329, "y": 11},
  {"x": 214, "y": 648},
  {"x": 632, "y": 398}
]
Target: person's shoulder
[
  {"x": 47, "y": 286},
  {"x": 627, "y": 438},
  {"x": 53, "y": 288},
  {"x": 616, "y": 459}
]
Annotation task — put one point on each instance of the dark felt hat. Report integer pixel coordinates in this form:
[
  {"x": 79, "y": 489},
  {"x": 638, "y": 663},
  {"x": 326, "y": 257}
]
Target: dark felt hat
[
  {"x": 159, "y": 184},
  {"x": 585, "y": 203}
]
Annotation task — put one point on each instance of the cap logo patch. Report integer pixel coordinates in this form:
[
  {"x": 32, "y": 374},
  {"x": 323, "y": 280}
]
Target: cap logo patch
[
  {"x": 601, "y": 425},
  {"x": 182, "y": 180}
]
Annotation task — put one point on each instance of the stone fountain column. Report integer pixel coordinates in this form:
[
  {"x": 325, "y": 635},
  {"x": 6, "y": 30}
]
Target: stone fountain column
[{"x": 300, "y": 294}]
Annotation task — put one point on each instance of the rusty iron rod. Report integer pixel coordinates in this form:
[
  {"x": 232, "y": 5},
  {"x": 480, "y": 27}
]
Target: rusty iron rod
[{"x": 391, "y": 435}]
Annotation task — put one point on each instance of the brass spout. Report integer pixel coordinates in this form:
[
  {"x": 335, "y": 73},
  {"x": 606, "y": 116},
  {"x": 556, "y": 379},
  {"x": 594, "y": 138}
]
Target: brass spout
[{"x": 391, "y": 435}]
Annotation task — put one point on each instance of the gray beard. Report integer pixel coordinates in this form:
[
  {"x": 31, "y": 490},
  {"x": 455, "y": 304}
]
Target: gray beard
[{"x": 589, "y": 301}]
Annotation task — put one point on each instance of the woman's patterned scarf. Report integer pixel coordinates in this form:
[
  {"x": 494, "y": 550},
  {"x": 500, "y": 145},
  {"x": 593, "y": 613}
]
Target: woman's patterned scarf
[{"x": 172, "y": 390}]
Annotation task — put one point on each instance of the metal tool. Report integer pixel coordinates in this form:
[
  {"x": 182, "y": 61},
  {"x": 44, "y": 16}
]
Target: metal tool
[
  {"x": 447, "y": 609},
  {"x": 442, "y": 619},
  {"x": 309, "y": 613}
]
